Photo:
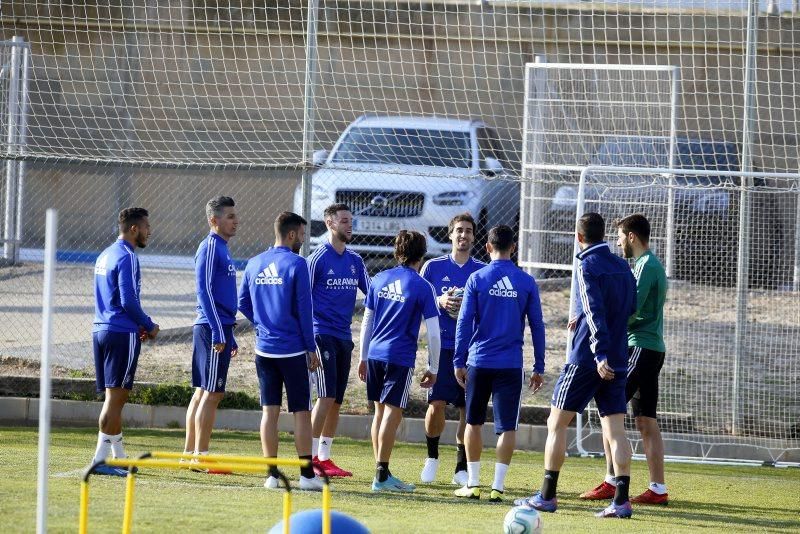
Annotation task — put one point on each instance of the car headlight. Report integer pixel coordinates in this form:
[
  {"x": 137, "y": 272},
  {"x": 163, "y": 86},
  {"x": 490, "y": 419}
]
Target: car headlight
[
  {"x": 453, "y": 198},
  {"x": 566, "y": 197}
]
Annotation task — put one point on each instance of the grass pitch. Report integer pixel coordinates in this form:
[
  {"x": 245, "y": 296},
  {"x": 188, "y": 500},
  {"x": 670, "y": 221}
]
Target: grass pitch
[{"x": 711, "y": 498}]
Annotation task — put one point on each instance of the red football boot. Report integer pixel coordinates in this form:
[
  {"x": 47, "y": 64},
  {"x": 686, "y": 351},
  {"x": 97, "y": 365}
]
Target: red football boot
[
  {"x": 651, "y": 497},
  {"x": 602, "y": 492}
]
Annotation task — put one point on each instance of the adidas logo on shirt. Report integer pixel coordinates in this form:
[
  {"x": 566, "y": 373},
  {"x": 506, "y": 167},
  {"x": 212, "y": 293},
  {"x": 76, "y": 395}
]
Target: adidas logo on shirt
[
  {"x": 269, "y": 276},
  {"x": 446, "y": 278},
  {"x": 331, "y": 271},
  {"x": 503, "y": 288},
  {"x": 392, "y": 292}
]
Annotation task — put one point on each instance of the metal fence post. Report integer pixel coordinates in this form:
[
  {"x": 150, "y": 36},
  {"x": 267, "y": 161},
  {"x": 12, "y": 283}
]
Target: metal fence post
[
  {"x": 743, "y": 258},
  {"x": 12, "y": 140},
  {"x": 308, "y": 113}
]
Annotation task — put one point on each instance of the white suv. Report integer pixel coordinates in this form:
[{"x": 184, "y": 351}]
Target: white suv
[{"x": 412, "y": 173}]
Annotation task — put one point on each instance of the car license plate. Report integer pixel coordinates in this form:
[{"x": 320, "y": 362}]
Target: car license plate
[{"x": 375, "y": 226}]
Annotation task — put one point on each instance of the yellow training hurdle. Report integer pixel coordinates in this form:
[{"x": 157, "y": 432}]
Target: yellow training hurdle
[{"x": 172, "y": 460}]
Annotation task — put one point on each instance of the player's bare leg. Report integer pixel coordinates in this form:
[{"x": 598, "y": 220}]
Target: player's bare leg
[
  {"x": 434, "y": 426},
  {"x": 653, "y": 443},
  {"x": 191, "y": 412},
  {"x": 204, "y": 419},
  {"x": 614, "y": 430}
]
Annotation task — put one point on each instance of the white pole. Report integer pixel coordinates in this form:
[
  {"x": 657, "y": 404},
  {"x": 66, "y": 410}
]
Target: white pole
[
  {"x": 572, "y": 297},
  {"x": 312, "y": 60},
  {"x": 673, "y": 159},
  {"x": 51, "y": 227}
]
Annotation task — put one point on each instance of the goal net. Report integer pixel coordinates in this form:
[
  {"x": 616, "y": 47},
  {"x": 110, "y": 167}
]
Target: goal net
[{"x": 732, "y": 356}]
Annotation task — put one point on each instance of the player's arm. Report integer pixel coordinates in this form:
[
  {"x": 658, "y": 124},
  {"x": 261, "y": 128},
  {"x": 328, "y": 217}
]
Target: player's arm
[
  {"x": 302, "y": 295},
  {"x": 644, "y": 284},
  {"x": 366, "y": 336},
  {"x": 594, "y": 309},
  {"x": 431, "y": 315},
  {"x": 536, "y": 324},
  {"x": 465, "y": 326},
  {"x": 204, "y": 275},
  {"x": 129, "y": 299},
  {"x": 363, "y": 280},
  {"x": 245, "y": 300}
]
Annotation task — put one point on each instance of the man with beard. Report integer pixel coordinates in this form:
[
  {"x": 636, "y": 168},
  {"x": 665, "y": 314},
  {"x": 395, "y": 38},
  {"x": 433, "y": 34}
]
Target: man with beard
[
  {"x": 645, "y": 358},
  {"x": 120, "y": 326},
  {"x": 448, "y": 276},
  {"x": 212, "y": 333},
  {"x": 336, "y": 274},
  {"x": 275, "y": 296}
]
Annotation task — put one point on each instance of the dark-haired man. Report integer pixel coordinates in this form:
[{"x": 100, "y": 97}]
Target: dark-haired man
[
  {"x": 275, "y": 296},
  {"x": 337, "y": 273},
  {"x": 596, "y": 367},
  {"x": 213, "y": 341},
  {"x": 645, "y": 358},
  {"x": 488, "y": 358},
  {"x": 448, "y": 276},
  {"x": 397, "y": 301},
  {"x": 120, "y": 325}
]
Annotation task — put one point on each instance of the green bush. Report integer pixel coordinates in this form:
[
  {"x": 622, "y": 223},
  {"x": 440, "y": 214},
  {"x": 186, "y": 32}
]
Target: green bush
[{"x": 172, "y": 395}]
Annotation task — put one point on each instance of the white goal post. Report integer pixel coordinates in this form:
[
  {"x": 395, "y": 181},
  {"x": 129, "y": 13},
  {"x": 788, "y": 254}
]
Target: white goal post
[{"x": 571, "y": 110}]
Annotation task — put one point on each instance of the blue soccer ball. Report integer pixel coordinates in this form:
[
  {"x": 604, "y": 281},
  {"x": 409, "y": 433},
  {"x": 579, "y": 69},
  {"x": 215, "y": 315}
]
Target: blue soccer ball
[
  {"x": 310, "y": 522},
  {"x": 522, "y": 520}
]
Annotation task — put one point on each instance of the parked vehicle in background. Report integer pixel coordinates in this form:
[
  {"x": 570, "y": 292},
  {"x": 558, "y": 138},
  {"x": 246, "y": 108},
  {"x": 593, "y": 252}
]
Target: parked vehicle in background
[{"x": 412, "y": 173}]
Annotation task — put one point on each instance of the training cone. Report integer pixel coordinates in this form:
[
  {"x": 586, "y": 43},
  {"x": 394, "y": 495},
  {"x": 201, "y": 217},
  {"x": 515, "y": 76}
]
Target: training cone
[{"x": 310, "y": 522}]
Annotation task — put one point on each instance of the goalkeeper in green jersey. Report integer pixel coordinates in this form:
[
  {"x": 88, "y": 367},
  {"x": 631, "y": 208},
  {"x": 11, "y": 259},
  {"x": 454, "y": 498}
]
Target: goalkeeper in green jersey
[{"x": 645, "y": 357}]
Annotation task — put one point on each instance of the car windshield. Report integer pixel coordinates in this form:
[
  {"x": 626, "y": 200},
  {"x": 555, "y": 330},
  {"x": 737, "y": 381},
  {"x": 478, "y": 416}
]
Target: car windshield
[{"x": 406, "y": 146}]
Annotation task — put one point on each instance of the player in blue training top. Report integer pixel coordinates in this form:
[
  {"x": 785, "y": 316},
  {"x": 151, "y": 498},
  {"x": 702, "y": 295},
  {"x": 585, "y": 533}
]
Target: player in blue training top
[
  {"x": 397, "y": 301},
  {"x": 337, "y": 273},
  {"x": 276, "y": 297},
  {"x": 488, "y": 357},
  {"x": 596, "y": 367},
  {"x": 119, "y": 327},
  {"x": 214, "y": 344},
  {"x": 448, "y": 275}
]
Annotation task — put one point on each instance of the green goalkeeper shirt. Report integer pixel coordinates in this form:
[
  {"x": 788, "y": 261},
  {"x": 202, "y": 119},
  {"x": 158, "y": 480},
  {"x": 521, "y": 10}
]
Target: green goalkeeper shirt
[{"x": 646, "y": 326}]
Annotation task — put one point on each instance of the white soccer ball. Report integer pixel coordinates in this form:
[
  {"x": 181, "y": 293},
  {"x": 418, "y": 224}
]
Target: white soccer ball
[
  {"x": 457, "y": 292},
  {"x": 522, "y": 520}
]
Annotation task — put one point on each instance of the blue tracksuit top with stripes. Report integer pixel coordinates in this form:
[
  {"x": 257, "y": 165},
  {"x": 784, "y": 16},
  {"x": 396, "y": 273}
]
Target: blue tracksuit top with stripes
[
  {"x": 400, "y": 298},
  {"x": 117, "y": 284},
  {"x": 215, "y": 277},
  {"x": 491, "y": 324},
  {"x": 275, "y": 296},
  {"x": 335, "y": 278},
  {"x": 606, "y": 298},
  {"x": 443, "y": 273}
]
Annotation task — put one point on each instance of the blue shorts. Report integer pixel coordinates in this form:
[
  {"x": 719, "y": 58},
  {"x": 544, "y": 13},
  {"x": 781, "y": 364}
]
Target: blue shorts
[
  {"x": 388, "y": 383},
  {"x": 334, "y": 370},
  {"x": 209, "y": 367},
  {"x": 447, "y": 387},
  {"x": 292, "y": 372},
  {"x": 116, "y": 355},
  {"x": 576, "y": 386},
  {"x": 504, "y": 386}
]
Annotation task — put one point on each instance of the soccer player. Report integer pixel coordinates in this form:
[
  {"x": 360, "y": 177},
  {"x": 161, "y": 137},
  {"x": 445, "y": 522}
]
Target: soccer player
[
  {"x": 214, "y": 344},
  {"x": 275, "y": 296},
  {"x": 596, "y": 367},
  {"x": 396, "y": 302},
  {"x": 645, "y": 357},
  {"x": 448, "y": 274},
  {"x": 120, "y": 325},
  {"x": 336, "y": 274},
  {"x": 488, "y": 355}
]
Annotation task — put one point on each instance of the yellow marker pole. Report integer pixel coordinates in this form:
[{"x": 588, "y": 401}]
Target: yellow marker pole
[
  {"x": 83, "y": 517},
  {"x": 287, "y": 511},
  {"x": 326, "y": 509},
  {"x": 287, "y": 462},
  {"x": 127, "y": 516}
]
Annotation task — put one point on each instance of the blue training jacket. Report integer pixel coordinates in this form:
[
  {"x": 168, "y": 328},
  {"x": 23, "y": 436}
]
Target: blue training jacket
[
  {"x": 491, "y": 325},
  {"x": 335, "y": 278},
  {"x": 275, "y": 296},
  {"x": 215, "y": 276},
  {"x": 117, "y": 284},
  {"x": 606, "y": 298}
]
